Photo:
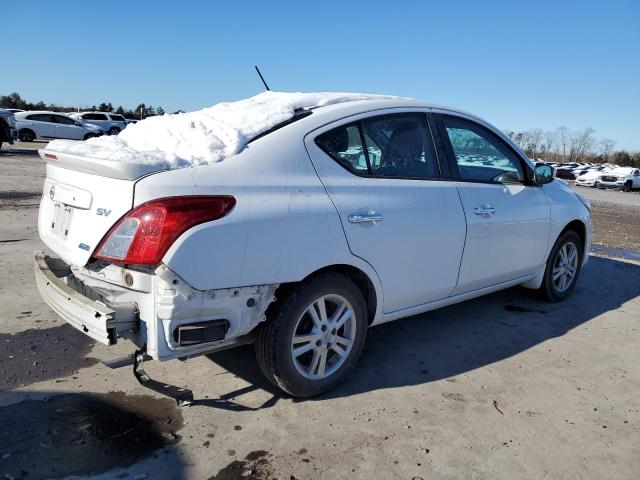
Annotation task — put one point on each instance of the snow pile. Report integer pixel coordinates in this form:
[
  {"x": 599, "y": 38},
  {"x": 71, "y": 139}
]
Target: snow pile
[{"x": 204, "y": 136}]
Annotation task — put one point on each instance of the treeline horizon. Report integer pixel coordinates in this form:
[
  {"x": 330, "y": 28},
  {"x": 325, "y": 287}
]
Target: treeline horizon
[
  {"x": 565, "y": 146},
  {"x": 142, "y": 111},
  {"x": 558, "y": 146}
]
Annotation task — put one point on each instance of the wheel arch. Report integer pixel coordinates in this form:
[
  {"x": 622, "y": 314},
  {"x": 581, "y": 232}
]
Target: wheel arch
[
  {"x": 370, "y": 290},
  {"x": 579, "y": 227},
  {"x": 575, "y": 225}
]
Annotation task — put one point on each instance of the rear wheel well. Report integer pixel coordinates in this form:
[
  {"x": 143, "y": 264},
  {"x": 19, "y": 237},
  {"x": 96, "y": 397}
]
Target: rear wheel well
[
  {"x": 357, "y": 276},
  {"x": 578, "y": 227}
]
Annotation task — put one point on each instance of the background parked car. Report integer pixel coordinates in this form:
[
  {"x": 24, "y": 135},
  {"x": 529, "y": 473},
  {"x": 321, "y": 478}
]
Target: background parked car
[
  {"x": 624, "y": 178},
  {"x": 112, "y": 123},
  {"x": 7, "y": 126},
  {"x": 565, "y": 174},
  {"x": 44, "y": 125}
]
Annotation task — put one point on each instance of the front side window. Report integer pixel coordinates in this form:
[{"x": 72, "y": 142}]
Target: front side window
[
  {"x": 389, "y": 146},
  {"x": 481, "y": 156},
  {"x": 63, "y": 120}
]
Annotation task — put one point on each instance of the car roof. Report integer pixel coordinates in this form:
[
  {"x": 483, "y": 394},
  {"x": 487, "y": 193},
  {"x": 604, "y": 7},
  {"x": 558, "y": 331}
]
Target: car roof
[
  {"x": 29, "y": 112},
  {"x": 97, "y": 111}
]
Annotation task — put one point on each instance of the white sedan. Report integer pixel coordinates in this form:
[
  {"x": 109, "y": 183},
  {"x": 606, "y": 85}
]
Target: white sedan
[
  {"x": 336, "y": 219},
  {"x": 45, "y": 125}
]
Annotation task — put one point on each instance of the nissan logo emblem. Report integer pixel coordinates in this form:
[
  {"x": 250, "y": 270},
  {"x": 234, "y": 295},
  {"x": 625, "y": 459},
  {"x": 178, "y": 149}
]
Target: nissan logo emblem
[{"x": 52, "y": 192}]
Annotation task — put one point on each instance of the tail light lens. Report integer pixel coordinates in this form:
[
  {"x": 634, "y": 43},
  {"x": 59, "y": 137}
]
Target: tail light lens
[{"x": 144, "y": 235}]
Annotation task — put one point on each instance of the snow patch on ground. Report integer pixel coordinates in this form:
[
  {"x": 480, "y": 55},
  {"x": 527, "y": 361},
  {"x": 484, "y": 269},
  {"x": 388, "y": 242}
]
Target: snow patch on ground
[{"x": 207, "y": 135}]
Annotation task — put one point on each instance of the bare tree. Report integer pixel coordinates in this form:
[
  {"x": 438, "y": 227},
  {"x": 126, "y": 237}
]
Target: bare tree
[
  {"x": 581, "y": 143},
  {"x": 562, "y": 135},
  {"x": 548, "y": 145},
  {"x": 534, "y": 138},
  {"x": 607, "y": 145}
]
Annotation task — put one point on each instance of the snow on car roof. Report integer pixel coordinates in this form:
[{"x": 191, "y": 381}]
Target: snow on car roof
[{"x": 203, "y": 136}]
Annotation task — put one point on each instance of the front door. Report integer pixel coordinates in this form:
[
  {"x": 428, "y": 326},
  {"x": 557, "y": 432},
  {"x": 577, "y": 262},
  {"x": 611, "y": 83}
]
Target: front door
[
  {"x": 67, "y": 127},
  {"x": 508, "y": 218},
  {"x": 397, "y": 212}
]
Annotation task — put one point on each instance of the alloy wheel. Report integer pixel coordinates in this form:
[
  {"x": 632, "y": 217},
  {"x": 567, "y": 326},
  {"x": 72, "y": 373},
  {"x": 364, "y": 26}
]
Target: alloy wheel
[
  {"x": 323, "y": 337},
  {"x": 565, "y": 267}
]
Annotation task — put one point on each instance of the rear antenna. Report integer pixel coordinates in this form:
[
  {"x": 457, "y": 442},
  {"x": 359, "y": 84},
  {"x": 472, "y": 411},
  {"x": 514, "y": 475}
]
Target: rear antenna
[{"x": 262, "y": 78}]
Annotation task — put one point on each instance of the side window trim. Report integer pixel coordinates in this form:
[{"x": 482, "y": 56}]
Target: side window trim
[
  {"x": 430, "y": 136},
  {"x": 451, "y": 157}
]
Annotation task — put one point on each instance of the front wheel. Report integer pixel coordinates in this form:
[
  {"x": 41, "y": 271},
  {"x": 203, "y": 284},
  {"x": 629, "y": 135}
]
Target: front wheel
[
  {"x": 314, "y": 337},
  {"x": 90, "y": 135},
  {"x": 563, "y": 267},
  {"x": 628, "y": 186}
]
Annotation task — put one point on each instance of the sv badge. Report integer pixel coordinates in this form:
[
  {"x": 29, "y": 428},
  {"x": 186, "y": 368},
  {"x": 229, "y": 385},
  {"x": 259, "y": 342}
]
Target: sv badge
[{"x": 103, "y": 211}]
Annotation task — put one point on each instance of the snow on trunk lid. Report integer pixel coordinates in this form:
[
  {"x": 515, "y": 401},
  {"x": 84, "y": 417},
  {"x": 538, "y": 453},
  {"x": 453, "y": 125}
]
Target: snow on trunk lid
[
  {"x": 77, "y": 209},
  {"x": 205, "y": 136}
]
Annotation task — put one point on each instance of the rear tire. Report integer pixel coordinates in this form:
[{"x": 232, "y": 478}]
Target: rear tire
[
  {"x": 26, "y": 135},
  {"x": 114, "y": 131},
  {"x": 331, "y": 337},
  {"x": 563, "y": 267}
]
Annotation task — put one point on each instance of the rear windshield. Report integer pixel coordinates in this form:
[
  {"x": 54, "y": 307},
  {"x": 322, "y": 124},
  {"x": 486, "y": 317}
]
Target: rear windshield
[{"x": 298, "y": 115}]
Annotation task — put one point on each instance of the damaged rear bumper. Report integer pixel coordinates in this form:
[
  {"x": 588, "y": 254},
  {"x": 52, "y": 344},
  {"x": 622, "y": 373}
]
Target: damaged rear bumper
[{"x": 102, "y": 321}]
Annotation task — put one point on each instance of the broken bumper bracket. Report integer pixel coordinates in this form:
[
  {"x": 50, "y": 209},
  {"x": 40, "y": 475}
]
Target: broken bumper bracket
[{"x": 183, "y": 396}]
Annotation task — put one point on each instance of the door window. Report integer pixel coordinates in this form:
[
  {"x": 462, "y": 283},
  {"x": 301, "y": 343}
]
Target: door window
[
  {"x": 481, "y": 156},
  {"x": 40, "y": 117},
  {"x": 389, "y": 146},
  {"x": 63, "y": 120},
  {"x": 400, "y": 146},
  {"x": 94, "y": 116}
]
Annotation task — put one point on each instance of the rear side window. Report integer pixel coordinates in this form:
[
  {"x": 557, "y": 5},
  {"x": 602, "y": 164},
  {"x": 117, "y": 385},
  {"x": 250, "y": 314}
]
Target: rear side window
[
  {"x": 344, "y": 145},
  {"x": 389, "y": 146},
  {"x": 117, "y": 118},
  {"x": 400, "y": 146},
  {"x": 481, "y": 156},
  {"x": 40, "y": 117}
]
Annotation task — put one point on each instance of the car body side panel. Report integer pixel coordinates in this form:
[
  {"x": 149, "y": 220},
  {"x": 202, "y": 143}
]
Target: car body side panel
[{"x": 282, "y": 228}]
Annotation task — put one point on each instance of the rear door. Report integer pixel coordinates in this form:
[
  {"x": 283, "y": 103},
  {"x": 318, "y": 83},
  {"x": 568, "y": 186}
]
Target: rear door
[
  {"x": 42, "y": 125},
  {"x": 508, "y": 218},
  {"x": 397, "y": 212}
]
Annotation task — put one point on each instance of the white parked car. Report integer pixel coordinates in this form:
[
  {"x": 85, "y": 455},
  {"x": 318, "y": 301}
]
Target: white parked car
[
  {"x": 341, "y": 218},
  {"x": 44, "y": 125},
  {"x": 589, "y": 178},
  {"x": 112, "y": 123},
  {"x": 623, "y": 178}
]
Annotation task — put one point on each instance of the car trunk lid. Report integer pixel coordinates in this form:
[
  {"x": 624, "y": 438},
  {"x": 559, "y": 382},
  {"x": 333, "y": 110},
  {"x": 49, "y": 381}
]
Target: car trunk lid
[{"x": 78, "y": 208}]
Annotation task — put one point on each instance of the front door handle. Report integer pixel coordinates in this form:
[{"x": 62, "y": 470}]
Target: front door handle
[
  {"x": 365, "y": 217},
  {"x": 485, "y": 212}
]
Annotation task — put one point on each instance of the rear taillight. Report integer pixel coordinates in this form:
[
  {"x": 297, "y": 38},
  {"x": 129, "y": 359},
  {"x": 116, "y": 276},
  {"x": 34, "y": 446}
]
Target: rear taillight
[{"x": 144, "y": 235}]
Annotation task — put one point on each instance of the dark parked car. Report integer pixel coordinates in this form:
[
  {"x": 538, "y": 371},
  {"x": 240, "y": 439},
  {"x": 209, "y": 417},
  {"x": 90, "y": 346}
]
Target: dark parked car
[{"x": 565, "y": 174}]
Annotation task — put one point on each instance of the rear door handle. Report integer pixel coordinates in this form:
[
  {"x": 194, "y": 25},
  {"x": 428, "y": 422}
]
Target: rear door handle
[
  {"x": 485, "y": 212},
  {"x": 365, "y": 217}
]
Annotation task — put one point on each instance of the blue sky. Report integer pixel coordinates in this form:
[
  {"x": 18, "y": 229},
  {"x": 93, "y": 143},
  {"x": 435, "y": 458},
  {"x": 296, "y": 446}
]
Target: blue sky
[{"x": 518, "y": 64}]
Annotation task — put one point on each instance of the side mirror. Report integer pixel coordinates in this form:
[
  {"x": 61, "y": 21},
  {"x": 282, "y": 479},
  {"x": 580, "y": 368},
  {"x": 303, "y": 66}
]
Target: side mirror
[{"x": 543, "y": 174}]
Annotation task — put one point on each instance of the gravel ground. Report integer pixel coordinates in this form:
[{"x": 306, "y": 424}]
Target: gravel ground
[{"x": 504, "y": 386}]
